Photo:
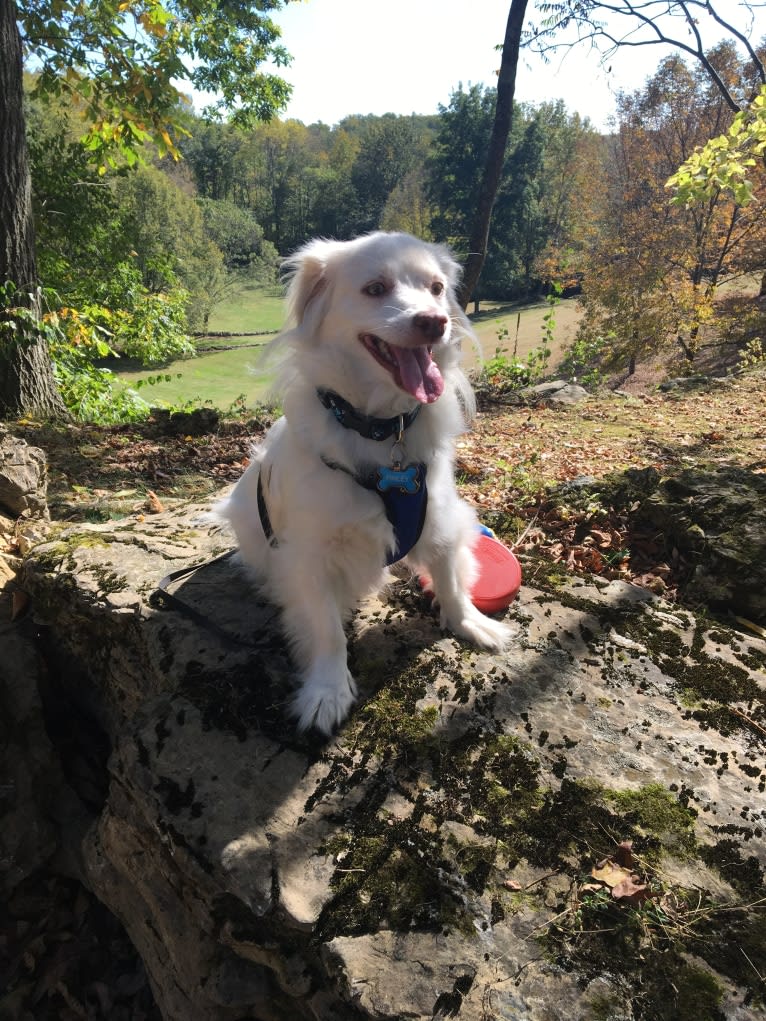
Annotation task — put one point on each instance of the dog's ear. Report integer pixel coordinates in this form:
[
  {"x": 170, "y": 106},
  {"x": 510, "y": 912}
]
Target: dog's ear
[{"x": 306, "y": 273}]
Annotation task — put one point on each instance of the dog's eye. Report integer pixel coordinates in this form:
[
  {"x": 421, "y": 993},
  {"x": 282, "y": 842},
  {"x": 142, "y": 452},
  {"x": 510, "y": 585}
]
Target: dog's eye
[
  {"x": 437, "y": 288},
  {"x": 375, "y": 290}
]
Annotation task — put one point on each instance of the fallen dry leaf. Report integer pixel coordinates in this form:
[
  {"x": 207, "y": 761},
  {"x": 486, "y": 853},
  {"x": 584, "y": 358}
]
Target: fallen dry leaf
[
  {"x": 618, "y": 873},
  {"x": 624, "y": 854},
  {"x": 632, "y": 889},
  {"x": 153, "y": 503},
  {"x": 610, "y": 873}
]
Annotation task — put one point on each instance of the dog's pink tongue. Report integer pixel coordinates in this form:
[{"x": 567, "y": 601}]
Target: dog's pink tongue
[{"x": 419, "y": 373}]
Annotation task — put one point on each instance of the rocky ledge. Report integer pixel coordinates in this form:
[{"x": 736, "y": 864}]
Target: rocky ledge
[{"x": 574, "y": 829}]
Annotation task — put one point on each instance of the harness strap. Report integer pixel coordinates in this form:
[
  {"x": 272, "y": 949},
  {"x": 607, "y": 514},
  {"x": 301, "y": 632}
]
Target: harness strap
[
  {"x": 405, "y": 500},
  {"x": 263, "y": 513}
]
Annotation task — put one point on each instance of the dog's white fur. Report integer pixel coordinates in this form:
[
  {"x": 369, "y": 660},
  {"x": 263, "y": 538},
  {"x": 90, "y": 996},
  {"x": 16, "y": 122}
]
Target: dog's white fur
[{"x": 333, "y": 534}]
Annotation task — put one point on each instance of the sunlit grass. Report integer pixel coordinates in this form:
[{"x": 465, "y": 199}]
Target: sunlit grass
[
  {"x": 217, "y": 379},
  {"x": 250, "y": 310},
  {"x": 525, "y": 329}
]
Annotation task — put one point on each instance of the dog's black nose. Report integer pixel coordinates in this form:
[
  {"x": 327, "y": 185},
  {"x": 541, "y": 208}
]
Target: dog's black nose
[{"x": 431, "y": 324}]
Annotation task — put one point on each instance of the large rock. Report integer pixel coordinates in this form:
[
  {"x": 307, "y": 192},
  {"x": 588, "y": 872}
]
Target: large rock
[
  {"x": 714, "y": 518},
  {"x": 23, "y": 477},
  {"x": 435, "y": 859},
  {"x": 29, "y": 775},
  {"x": 556, "y": 391},
  {"x": 717, "y": 520}
]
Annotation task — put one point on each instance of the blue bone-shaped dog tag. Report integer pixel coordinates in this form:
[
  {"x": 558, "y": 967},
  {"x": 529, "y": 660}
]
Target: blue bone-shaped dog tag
[{"x": 407, "y": 480}]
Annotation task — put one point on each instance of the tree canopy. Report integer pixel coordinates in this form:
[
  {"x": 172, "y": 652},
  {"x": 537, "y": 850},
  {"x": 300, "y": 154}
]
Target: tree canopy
[
  {"x": 126, "y": 62},
  {"x": 654, "y": 269},
  {"x": 565, "y": 204},
  {"x": 123, "y": 64},
  {"x": 726, "y": 162}
]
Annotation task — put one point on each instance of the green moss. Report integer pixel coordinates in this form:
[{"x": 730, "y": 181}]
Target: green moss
[
  {"x": 391, "y": 878},
  {"x": 697, "y": 996},
  {"x": 505, "y": 526},
  {"x": 190, "y": 535},
  {"x": 604, "y": 1007},
  {"x": 658, "y": 814},
  {"x": 474, "y": 862},
  {"x": 554, "y": 576},
  {"x": 649, "y": 954},
  {"x": 718, "y": 680},
  {"x": 648, "y": 944},
  {"x": 87, "y": 540},
  {"x": 493, "y": 782},
  {"x": 706, "y": 684},
  {"x": 109, "y": 581},
  {"x": 49, "y": 559},
  {"x": 389, "y": 719}
]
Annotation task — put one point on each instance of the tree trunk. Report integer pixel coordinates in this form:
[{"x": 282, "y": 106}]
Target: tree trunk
[
  {"x": 493, "y": 169},
  {"x": 27, "y": 384}
]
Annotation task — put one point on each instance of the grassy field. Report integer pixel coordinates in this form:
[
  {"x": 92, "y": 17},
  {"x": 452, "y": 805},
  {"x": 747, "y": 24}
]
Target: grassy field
[
  {"x": 218, "y": 379},
  {"x": 524, "y": 324},
  {"x": 250, "y": 310},
  {"x": 222, "y": 377}
]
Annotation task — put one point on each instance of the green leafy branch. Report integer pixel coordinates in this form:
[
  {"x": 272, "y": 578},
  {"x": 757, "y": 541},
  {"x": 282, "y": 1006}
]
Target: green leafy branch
[
  {"x": 120, "y": 60},
  {"x": 726, "y": 162}
]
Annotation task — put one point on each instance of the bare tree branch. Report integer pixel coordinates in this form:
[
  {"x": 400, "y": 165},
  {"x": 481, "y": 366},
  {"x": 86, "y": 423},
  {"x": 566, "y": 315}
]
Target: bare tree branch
[
  {"x": 755, "y": 59},
  {"x": 649, "y": 16}
]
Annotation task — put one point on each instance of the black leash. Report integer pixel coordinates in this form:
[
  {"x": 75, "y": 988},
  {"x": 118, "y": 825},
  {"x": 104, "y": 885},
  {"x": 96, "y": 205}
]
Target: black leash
[
  {"x": 263, "y": 513},
  {"x": 163, "y": 597}
]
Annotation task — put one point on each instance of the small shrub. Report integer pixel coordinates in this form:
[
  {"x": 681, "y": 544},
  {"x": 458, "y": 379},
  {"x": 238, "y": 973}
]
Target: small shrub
[
  {"x": 90, "y": 393},
  {"x": 581, "y": 363},
  {"x": 752, "y": 353},
  {"x": 152, "y": 330}
]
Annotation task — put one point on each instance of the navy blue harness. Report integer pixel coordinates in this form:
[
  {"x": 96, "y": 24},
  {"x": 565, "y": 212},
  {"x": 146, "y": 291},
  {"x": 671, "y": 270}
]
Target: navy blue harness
[
  {"x": 405, "y": 497},
  {"x": 403, "y": 490}
]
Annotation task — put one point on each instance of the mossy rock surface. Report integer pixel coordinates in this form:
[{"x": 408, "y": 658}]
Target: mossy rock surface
[
  {"x": 717, "y": 519},
  {"x": 714, "y": 519},
  {"x": 435, "y": 859}
]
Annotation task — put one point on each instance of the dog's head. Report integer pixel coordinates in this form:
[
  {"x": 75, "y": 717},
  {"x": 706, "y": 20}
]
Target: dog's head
[{"x": 379, "y": 310}]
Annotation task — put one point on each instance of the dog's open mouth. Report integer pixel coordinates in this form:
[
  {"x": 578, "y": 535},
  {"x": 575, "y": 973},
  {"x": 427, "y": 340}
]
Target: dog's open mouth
[{"x": 413, "y": 369}]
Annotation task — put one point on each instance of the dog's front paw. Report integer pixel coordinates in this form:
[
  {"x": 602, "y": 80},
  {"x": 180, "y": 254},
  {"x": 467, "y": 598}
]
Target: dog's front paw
[
  {"x": 489, "y": 634},
  {"x": 324, "y": 699}
]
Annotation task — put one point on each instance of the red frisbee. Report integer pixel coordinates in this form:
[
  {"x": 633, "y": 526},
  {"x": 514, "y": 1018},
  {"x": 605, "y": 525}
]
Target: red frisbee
[{"x": 499, "y": 575}]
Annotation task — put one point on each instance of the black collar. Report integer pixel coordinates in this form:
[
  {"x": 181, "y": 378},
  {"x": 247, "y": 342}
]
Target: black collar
[{"x": 367, "y": 426}]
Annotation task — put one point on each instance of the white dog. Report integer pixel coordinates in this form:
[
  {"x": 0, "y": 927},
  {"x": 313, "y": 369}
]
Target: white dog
[{"x": 358, "y": 472}]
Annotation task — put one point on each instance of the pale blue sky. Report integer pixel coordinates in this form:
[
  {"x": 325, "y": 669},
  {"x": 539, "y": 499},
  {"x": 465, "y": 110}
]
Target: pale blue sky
[{"x": 407, "y": 56}]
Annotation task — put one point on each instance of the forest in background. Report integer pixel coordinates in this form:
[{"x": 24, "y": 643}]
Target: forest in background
[{"x": 134, "y": 260}]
